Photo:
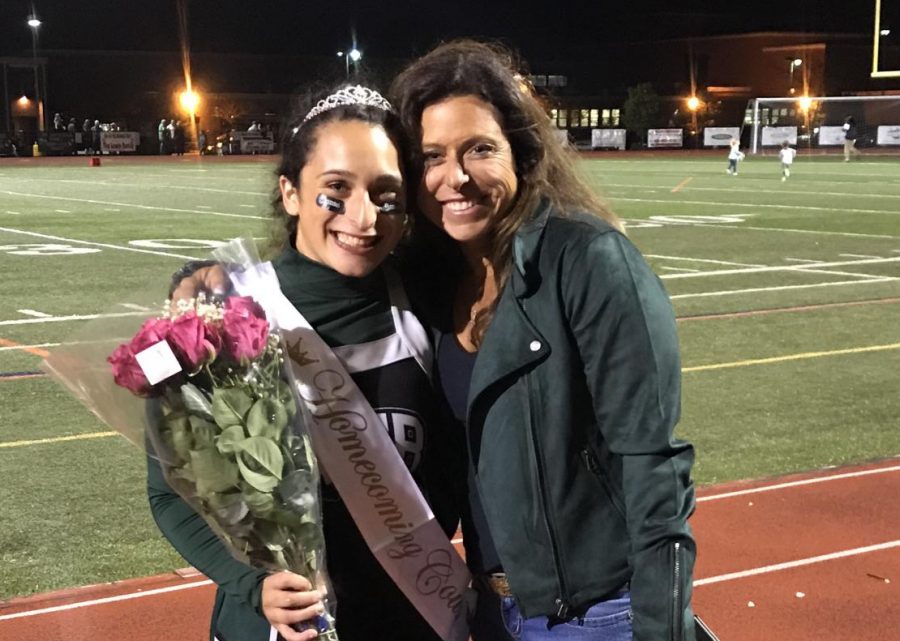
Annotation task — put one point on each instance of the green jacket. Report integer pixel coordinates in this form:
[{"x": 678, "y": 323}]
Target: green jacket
[{"x": 572, "y": 407}]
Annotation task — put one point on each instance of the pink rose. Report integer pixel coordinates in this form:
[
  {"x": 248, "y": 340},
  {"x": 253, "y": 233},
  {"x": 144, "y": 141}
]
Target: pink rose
[
  {"x": 244, "y": 306},
  {"x": 127, "y": 373},
  {"x": 193, "y": 341},
  {"x": 151, "y": 332},
  {"x": 245, "y": 328}
]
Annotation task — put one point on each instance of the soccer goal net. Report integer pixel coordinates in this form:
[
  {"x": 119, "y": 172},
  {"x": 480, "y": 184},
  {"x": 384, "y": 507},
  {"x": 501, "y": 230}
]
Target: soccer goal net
[{"x": 821, "y": 125}]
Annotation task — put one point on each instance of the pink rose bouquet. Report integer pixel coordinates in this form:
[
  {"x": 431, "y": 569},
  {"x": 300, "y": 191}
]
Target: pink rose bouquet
[{"x": 220, "y": 422}]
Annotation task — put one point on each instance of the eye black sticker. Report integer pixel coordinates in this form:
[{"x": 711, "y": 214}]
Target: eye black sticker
[{"x": 330, "y": 204}]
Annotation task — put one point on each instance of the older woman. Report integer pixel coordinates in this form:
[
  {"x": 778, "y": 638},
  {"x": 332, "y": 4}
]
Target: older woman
[{"x": 557, "y": 349}]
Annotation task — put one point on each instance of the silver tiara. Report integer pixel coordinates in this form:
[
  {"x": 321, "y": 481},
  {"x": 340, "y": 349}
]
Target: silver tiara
[{"x": 357, "y": 95}]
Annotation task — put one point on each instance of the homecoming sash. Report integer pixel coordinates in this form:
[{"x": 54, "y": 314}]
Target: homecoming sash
[{"x": 361, "y": 460}]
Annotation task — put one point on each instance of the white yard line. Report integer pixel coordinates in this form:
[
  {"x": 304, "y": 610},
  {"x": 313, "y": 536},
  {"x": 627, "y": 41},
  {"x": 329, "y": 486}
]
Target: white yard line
[
  {"x": 134, "y": 206},
  {"x": 849, "y": 234},
  {"x": 678, "y": 269},
  {"x": 803, "y": 260},
  {"x": 14, "y": 213},
  {"x": 135, "y": 306},
  {"x": 798, "y": 192},
  {"x": 796, "y": 564},
  {"x": 104, "y": 245},
  {"x": 859, "y": 256},
  {"x": 35, "y": 314},
  {"x": 702, "y": 260},
  {"x": 63, "y": 211},
  {"x": 754, "y": 290},
  {"x": 708, "y": 203},
  {"x": 784, "y": 268}
]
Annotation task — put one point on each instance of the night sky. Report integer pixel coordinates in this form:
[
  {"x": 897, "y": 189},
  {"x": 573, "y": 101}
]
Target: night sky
[{"x": 403, "y": 28}]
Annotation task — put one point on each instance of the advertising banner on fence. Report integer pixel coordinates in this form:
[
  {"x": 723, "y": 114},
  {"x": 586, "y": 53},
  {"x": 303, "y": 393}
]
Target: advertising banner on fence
[
  {"x": 607, "y": 139},
  {"x": 119, "y": 141},
  {"x": 720, "y": 136},
  {"x": 774, "y": 136},
  {"x": 661, "y": 138},
  {"x": 888, "y": 135},
  {"x": 56, "y": 143},
  {"x": 253, "y": 142},
  {"x": 831, "y": 135}
]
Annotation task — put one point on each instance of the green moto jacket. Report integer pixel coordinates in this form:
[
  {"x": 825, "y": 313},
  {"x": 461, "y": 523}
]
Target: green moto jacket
[{"x": 572, "y": 407}]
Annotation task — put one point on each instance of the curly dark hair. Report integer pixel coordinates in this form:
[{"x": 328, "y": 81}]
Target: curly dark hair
[
  {"x": 299, "y": 140},
  {"x": 544, "y": 166}
]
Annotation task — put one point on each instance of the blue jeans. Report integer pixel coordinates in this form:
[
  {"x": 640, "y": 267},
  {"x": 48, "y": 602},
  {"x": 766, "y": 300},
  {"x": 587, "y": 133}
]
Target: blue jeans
[{"x": 605, "y": 621}]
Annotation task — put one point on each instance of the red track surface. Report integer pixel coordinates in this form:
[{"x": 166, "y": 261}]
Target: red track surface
[{"x": 842, "y": 599}]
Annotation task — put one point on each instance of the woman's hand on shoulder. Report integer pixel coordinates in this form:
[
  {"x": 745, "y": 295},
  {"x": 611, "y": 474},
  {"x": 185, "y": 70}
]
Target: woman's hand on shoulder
[{"x": 287, "y": 599}]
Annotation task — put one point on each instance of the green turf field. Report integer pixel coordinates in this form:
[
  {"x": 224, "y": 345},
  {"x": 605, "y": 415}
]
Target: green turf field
[{"x": 808, "y": 379}]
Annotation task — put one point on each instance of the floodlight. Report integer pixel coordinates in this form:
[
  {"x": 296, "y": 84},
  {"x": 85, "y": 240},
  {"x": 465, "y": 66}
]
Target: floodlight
[
  {"x": 805, "y": 103},
  {"x": 33, "y": 22},
  {"x": 355, "y": 55},
  {"x": 798, "y": 62},
  {"x": 189, "y": 100},
  {"x": 693, "y": 103}
]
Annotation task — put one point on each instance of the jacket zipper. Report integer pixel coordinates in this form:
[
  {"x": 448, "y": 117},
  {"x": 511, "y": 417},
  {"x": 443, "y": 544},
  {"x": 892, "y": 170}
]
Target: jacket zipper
[
  {"x": 593, "y": 465},
  {"x": 677, "y": 613},
  {"x": 562, "y": 602}
]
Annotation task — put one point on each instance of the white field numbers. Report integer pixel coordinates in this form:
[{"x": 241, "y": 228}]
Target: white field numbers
[{"x": 62, "y": 249}]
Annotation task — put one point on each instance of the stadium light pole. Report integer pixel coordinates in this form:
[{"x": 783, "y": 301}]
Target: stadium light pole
[
  {"x": 353, "y": 55},
  {"x": 34, "y": 23},
  {"x": 795, "y": 62}
]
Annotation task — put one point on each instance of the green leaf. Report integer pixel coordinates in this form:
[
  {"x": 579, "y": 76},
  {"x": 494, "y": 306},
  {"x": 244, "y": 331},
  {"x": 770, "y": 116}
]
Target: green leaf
[
  {"x": 196, "y": 401},
  {"x": 214, "y": 472},
  {"x": 229, "y": 441},
  {"x": 265, "y": 453},
  {"x": 267, "y": 418},
  {"x": 261, "y": 463},
  {"x": 178, "y": 435},
  {"x": 204, "y": 432},
  {"x": 260, "y": 503},
  {"x": 230, "y": 405}
]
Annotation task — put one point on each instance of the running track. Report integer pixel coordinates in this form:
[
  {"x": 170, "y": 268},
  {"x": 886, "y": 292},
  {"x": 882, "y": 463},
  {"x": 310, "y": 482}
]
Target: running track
[{"x": 800, "y": 558}]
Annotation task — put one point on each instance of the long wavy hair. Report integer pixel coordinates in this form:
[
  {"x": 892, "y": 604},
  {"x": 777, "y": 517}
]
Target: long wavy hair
[
  {"x": 544, "y": 165},
  {"x": 299, "y": 140}
]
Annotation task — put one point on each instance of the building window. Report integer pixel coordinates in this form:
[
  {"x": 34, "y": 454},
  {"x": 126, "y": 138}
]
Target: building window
[
  {"x": 574, "y": 117},
  {"x": 563, "y": 121},
  {"x": 585, "y": 118},
  {"x": 615, "y": 118},
  {"x": 538, "y": 81},
  {"x": 595, "y": 117},
  {"x": 557, "y": 81}
]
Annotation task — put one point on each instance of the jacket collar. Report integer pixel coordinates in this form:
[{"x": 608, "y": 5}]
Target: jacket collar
[{"x": 527, "y": 250}]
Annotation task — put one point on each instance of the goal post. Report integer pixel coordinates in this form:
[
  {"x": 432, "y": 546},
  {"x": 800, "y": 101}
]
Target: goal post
[{"x": 817, "y": 124}]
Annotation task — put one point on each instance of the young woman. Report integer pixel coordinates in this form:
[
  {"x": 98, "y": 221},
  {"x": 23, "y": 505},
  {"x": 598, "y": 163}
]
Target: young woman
[
  {"x": 557, "y": 348},
  {"x": 339, "y": 212}
]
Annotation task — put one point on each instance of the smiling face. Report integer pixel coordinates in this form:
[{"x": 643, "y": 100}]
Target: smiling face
[
  {"x": 469, "y": 178},
  {"x": 356, "y": 163}
]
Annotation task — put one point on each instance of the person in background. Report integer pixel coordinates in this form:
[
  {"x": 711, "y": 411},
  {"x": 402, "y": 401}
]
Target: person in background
[
  {"x": 851, "y": 133},
  {"x": 786, "y": 154},
  {"x": 557, "y": 349},
  {"x": 735, "y": 155}
]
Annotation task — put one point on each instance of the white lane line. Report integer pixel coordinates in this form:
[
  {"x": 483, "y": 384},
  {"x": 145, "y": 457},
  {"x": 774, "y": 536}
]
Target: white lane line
[
  {"x": 849, "y": 234},
  {"x": 112, "y": 209},
  {"x": 134, "y": 206},
  {"x": 36, "y": 314},
  {"x": 104, "y": 245},
  {"x": 135, "y": 306},
  {"x": 783, "y": 268},
  {"x": 111, "y": 599},
  {"x": 11, "y": 348},
  {"x": 678, "y": 269},
  {"x": 62, "y": 211},
  {"x": 202, "y": 206},
  {"x": 248, "y": 206},
  {"x": 813, "y": 481},
  {"x": 859, "y": 256},
  {"x": 796, "y": 564},
  {"x": 703, "y": 260},
  {"x": 754, "y": 290},
  {"x": 804, "y": 260},
  {"x": 14, "y": 213},
  {"x": 63, "y": 319}
]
